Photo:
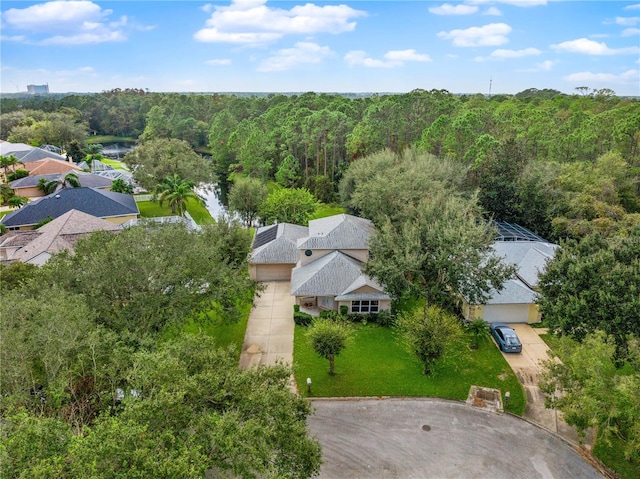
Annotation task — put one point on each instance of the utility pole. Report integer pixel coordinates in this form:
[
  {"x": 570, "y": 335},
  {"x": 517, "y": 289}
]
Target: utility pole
[{"x": 490, "y": 82}]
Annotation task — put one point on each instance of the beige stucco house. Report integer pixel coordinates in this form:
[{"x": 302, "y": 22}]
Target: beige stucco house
[
  {"x": 516, "y": 301},
  {"x": 324, "y": 263}
]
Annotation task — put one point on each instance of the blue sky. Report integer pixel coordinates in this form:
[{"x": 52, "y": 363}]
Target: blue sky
[{"x": 322, "y": 46}]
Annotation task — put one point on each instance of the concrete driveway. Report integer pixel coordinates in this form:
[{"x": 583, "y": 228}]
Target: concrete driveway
[
  {"x": 433, "y": 438},
  {"x": 527, "y": 366},
  {"x": 269, "y": 334}
]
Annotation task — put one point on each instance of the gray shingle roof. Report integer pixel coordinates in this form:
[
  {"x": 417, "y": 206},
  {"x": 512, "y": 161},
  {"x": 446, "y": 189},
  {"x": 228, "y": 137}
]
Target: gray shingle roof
[
  {"x": 530, "y": 257},
  {"x": 282, "y": 248},
  {"x": 36, "y": 154},
  {"x": 335, "y": 274},
  {"x": 513, "y": 291},
  {"x": 86, "y": 179},
  {"x": 99, "y": 203},
  {"x": 338, "y": 232}
]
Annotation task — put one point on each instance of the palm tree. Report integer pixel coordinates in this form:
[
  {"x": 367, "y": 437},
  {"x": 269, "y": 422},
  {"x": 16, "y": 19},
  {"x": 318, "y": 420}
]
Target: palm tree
[
  {"x": 49, "y": 186},
  {"x": 177, "y": 191},
  {"x": 120, "y": 186},
  {"x": 17, "y": 201},
  {"x": 9, "y": 161}
]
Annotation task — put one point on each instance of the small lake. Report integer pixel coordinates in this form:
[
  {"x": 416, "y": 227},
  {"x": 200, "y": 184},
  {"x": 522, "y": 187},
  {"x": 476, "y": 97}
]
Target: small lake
[{"x": 115, "y": 151}]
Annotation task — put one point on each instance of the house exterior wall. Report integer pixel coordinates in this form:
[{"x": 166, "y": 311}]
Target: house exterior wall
[
  {"x": 30, "y": 192},
  {"x": 120, "y": 219},
  {"x": 359, "y": 254},
  {"x": 383, "y": 305}
]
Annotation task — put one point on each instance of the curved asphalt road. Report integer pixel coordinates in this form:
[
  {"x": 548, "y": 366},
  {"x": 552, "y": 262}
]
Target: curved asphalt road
[{"x": 432, "y": 438}]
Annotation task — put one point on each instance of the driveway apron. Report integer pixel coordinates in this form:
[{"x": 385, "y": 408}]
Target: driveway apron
[
  {"x": 269, "y": 334},
  {"x": 528, "y": 366}
]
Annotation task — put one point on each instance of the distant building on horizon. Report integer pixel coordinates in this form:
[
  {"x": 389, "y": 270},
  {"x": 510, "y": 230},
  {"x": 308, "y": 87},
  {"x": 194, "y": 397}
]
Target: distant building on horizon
[{"x": 37, "y": 89}]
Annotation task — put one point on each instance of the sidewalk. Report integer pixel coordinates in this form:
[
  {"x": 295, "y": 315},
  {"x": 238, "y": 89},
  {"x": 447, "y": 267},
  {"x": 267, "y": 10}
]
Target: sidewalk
[{"x": 269, "y": 335}]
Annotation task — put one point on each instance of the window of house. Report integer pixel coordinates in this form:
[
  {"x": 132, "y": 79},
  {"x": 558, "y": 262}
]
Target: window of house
[{"x": 364, "y": 306}]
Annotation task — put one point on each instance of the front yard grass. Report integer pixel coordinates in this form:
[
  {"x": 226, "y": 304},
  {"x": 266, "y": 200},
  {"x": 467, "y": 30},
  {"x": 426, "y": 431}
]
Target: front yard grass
[
  {"x": 375, "y": 364},
  {"x": 199, "y": 212}
]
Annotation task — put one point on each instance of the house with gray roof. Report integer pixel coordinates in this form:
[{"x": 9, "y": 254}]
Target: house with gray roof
[
  {"x": 515, "y": 302},
  {"x": 37, "y": 246},
  {"x": 323, "y": 262},
  {"x": 329, "y": 273},
  {"x": 117, "y": 208},
  {"x": 27, "y": 187}
]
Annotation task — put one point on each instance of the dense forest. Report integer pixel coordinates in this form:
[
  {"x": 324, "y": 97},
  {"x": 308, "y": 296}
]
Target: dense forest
[{"x": 561, "y": 165}]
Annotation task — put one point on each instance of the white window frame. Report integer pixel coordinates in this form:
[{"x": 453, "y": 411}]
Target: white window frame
[{"x": 365, "y": 306}]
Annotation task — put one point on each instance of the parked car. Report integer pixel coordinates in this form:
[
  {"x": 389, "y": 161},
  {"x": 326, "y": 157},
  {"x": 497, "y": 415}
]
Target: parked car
[{"x": 506, "y": 338}]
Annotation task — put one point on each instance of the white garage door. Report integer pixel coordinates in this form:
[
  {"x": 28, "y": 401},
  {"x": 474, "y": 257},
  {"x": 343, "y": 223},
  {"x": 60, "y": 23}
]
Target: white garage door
[
  {"x": 506, "y": 313},
  {"x": 273, "y": 272}
]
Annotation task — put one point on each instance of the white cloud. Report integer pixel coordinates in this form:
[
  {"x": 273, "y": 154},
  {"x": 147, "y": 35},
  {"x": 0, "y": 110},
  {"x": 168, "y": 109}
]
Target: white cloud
[
  {"x": 301, "y": 53},
  {"x": 207, "y": 8},
  {"x": 406, "y": 56},
  {"x": 85, "y": 38},
  {"x": 492, "y": 11},
  {"x": 501, "y": 53},
  {"x": 13, "y": 38},
  {"x": 359, "y": 58},
  {"x": 630, "y": 32},
  {"x": 626, "y": 21},
  {"x": 590, "y": 47},
  {"x": 392, "y": 59},
  {"x": 628, "y": 77},
  {"x": 448, "y": 9},
  {"x": 517, "y": 3},
  {"x": 251, "y": 21},
  {"x": 544, "y": 66},
  {"x": 68, "y": 23},
  {"x": 632, "y": 7},
  {"x": 493, "y": 34},
  {"x": 218, "y": 61}
]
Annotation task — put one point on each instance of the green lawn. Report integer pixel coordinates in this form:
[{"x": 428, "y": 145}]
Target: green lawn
[
  {"x": 224, "y": 334},
  {"x": 117, "y": 165},
  {"x": 199, "y": 212},
  {"x": 323, "y": 210},
  {"x": 92, "y": 140},
  {"x": 375, "y": 364}
]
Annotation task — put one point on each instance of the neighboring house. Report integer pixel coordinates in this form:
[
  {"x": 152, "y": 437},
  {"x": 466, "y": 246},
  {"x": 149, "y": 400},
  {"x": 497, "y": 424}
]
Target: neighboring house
[
  {"x": 37, "y": 246},
  {"x": 36, "y": 154},
  {"x": 117, "y": 208},
  {"x": 515, "y": 302},
  {"x": 50, "y": 166},
  {"x": 7, "y": 148},
  {"x": 27, "y": 187},
  {"x": 324, "y": 263}
]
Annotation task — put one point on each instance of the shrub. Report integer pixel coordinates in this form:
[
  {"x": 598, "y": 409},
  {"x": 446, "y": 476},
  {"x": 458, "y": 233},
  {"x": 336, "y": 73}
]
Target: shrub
[
  {"x": 344, "y": 310},
  {"x": 385, "y": 318},
  {"x": 16, "y": 175},
  {"x": 302, "y": 319},
  {"x": 330, "y": 315},
  {"x": 296, "y": 308}
]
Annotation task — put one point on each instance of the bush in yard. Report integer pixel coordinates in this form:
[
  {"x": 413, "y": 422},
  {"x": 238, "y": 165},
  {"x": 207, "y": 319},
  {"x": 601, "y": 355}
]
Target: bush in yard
[
  {"x": 328, "y": 338},
  {"x": 344, "y": 310},
  {"x": 302, "y": 318},
  {"x": 296, "y": 308},
  {"x": 429, "y": 333}
]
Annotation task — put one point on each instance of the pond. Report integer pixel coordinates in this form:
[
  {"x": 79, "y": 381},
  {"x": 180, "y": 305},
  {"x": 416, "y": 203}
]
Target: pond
[
  {"x": 116, "y": 151},
  {"x": 211, "y": 197}
]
